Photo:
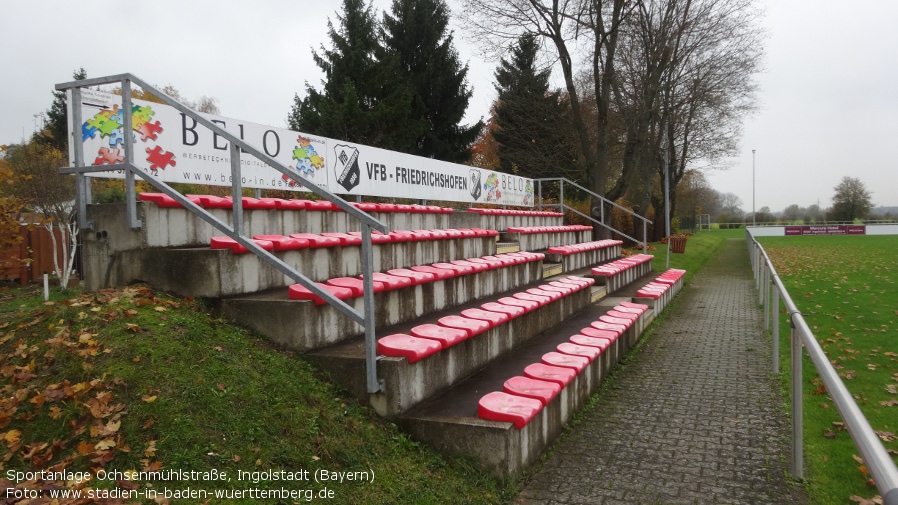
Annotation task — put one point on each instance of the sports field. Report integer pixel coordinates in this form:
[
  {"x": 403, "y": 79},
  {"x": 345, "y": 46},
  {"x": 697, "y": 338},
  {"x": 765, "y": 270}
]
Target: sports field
[{"x": 845, "y": 286}]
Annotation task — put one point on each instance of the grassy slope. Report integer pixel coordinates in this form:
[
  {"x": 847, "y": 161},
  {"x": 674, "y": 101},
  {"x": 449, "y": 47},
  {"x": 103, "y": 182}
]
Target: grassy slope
[
  {"x": 134, "y": 380},
  {"x": 844, "y": 287}
]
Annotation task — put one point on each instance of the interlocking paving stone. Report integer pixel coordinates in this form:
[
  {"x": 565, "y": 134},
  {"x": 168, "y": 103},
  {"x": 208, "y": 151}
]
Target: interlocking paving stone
[{"x": 694, "y": 416}]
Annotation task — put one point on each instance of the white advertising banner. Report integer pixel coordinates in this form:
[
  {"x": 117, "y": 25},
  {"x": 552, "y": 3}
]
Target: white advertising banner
[{"x": 174, "y": 148}]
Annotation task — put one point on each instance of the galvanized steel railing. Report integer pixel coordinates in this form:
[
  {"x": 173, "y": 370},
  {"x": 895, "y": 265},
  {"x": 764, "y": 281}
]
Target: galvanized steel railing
[
  {"x": 601, "y": 220},
  {"x": 235, "y": 230},
  {"x": 876, "y": 458}
]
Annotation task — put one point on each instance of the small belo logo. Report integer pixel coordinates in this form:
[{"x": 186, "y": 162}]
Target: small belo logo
[
  {"x": 346, "y": 167},
  {"x": 475, "y": 184}
]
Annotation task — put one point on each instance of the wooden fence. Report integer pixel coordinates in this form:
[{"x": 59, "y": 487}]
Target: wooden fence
[{"x": 33, "y": 255}]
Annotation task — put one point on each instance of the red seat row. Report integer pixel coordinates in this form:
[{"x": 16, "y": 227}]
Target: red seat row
[
  {"x": 225, "y": 202},
  {"x": 331, "y": 239},
  {"x": 566, "y": 250},
  {"x": 523, "y": 396},
  {"x": 509, "y": 212},
  {"x": 345, "y": 288},
  {"x": 621, "y": 265},
  {"x": 527, "y": 230},
  {"x": 661, "y": 284},
  {"x": 450, "y": 330}
]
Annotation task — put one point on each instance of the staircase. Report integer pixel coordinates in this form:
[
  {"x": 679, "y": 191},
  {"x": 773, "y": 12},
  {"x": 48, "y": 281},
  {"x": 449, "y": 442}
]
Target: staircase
[{"x": 493, "y": 327}]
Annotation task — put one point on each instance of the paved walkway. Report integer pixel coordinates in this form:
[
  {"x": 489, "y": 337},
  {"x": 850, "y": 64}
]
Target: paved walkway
[{"x": 692, "y": 417}]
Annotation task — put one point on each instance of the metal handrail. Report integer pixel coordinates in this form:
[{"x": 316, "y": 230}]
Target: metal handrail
[
  {"x": 235, "y": 231},
  {"x": 601, "y": 222},
  {"x": 876, "y": 458}
]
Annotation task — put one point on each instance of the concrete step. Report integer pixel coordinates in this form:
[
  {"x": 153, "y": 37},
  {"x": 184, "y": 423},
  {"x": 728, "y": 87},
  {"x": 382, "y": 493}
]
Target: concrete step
[
  {"x": 407, "y": 384},
  {"x": 302, "y": 326},
  {"x": 449, "y": 422}
]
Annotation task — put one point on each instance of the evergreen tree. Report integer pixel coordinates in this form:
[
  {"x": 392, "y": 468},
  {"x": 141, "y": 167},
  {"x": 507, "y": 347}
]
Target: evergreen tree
[
  {"x": 357, "y": 102},
  {"x": 532, "y": 123},
  {"x": 416, "y": 32},
  {"x": 56, "y": 132}
]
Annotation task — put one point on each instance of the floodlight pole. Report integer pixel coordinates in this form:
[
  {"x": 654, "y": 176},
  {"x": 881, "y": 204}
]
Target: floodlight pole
[{"x": 752, "y": 187}]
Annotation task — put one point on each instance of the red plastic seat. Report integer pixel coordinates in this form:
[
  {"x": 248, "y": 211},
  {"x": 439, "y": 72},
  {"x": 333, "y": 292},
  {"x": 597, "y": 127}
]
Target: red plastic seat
[
  {"x": 290, "y": 204},
  {"x": 421, "y": 235},
  {"x": 416, "y": 277},
  {"x": 390, "y": 282},
  {"x": 406, "y": 346},
  {"x": 600, "y": 343},
  {"x": 540, "y": 299},
  {"x": 250, "y": 203},
  {"x": 504, "y": 261},
  {"x": 282, "y": 243},
  {"x": 160, "y": 199},
  {"x": 447, "y": 337},
  {"x": 471, "y": 326},
  {"x": 603, "y": 325},
  {"x": 459, "y": 269},
  {"x": 299, "y": 292},
  {"x": 552, "y": 295},
  {"x": 493, "y": 318},
  {"x": 527, "y": 305},
  {"x": 344, "y": 238},
  {"x": 440, "y": 273},
  {"x": 438, "y": 234},
  {"x": 629, "y": 316},
  {"x": 476, "y": 267},
  {"x": 513, "y": 311},
  {"x": 235, "y": 247},
  {"x": 583, "y": 351},
  {"x": 541, "y": 371},
  {"x": 355, "y": 285},
  {"x": 490, "y": 265},
  {"x": 214, "y": 202},
  {"x": 376, "y": 237},
  {"x": 605, "y": 318},
  {"x": 541, "y": 390},
  {"x": 321, "y": 205},
  {"x": 611, "y": 333},
  {"x": 503, "y": 407},
  {"x": 316, "y": 241},
  {"x": 554, "y": 358},
  {"x": 561, "y": 290},
  {"x": 628, "y": 310}
]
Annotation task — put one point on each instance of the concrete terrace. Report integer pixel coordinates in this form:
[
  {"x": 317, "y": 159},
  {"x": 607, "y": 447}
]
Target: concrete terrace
[{"x": 694, "y": 416}]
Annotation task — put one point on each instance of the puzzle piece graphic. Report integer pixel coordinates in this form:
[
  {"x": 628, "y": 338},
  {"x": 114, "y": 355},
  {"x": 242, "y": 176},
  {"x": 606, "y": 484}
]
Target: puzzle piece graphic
[
  {"x": 305, "y": 167},
  {"x": 303, "y": 142},
  {"x": 159, "y": 159},
  {"x": 141, "y": 114},
  {"x": 299, "y": 154},
  {"x": 88, "y": 132},
  {"x": 117, "y": 137},
  {"x": 97, "y": 122},
  {"x": 107, "y": 126},
  {"x": 316, "y": 161},
  {"x": 149, "y": 130},
  {"x": 109, "y": 156},
  {"x": 108, "y": 113}
]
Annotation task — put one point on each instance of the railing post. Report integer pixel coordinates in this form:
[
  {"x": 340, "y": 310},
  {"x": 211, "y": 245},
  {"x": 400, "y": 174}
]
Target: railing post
[
  {"x": 539, "y": 186},
  {"x": 775, "y": 315},
  {"x": 374, "y": 384},
  {"x": 82, "y": 182},
  {"x": 765, "y": 296},
  {"x": 797, "y": 404},
  {"x": 645, "y": 238},
  {"x": 236, "y": 190},
  {"x": 561, "y": 196},
  {"x": 128, "y": 134}
]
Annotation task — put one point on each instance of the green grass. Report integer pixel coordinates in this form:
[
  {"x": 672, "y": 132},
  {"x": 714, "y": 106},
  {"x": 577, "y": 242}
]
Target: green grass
[
  {"x": 132, "y": 380},
  {"x": 699, "y": 247},
  {"x": 845, "y": 289}
]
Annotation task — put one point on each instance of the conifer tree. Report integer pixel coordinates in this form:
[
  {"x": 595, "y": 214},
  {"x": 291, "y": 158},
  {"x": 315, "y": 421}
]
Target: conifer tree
[
  {"x": 532, "y": 127},
  {"x": 357, "y": 102},
  {"x": 56, "y": 132},
  {"x": 416, "y": 33}
]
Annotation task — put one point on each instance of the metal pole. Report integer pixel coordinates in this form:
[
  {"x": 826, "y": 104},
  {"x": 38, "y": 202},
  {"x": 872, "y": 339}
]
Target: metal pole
[
  {"x": 753, "y": 222},
  {"x": 236, "y": 190},
  {"x": 128, "y": 134},
  {"x": 797, "y": 405},
  {"x": 766, "y": 296},
  {"x": 775, "y": 311},
  {"x": 374, "y": 384},
  {"x": 666, "y": 194},
  {"x": 82, "y": 182}
]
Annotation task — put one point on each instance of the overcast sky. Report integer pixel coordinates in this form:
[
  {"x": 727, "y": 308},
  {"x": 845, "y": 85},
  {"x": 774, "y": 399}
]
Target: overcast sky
[{"x": 828, "y": 99}]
